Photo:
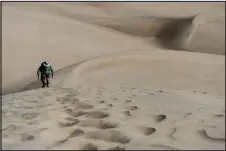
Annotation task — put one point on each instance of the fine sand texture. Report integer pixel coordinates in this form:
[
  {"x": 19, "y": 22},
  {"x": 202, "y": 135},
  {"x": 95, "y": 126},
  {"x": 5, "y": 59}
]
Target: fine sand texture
[
  {"x": 112, "y": 118},
  {"x": 128, "y": 75}
]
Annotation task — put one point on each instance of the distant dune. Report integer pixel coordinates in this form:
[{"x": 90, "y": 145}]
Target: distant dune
[
  {"x": 127, "y": 75},
  {"x": 67, "y": 33}
]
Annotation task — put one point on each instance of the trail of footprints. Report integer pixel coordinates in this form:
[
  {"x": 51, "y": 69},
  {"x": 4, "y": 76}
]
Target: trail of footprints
[
  {"x": 102, "y": 128},
  {"x": 82, "y": 115}
]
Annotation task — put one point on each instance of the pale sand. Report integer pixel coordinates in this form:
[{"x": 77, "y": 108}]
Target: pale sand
[
  {"x": 108, "y": 117},
  {"x": 132, "y": 76}
]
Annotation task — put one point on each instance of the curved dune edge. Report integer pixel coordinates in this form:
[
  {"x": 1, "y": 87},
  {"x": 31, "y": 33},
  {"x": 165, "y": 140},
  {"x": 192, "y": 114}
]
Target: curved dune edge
[
  {"x": 75, "y": 74},
  {"x": 106, "y": 117},
  {"x": 184, "y": 33},
  {"x": 156, "y": 69},
  {"x": 180, "y": 64}
]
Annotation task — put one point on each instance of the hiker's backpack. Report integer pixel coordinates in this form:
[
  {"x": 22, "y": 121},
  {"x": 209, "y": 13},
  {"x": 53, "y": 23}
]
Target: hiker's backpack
[{"x": 46, "y": 69}]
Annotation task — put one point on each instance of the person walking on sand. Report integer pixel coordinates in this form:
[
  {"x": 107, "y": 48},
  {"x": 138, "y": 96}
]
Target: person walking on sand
[{"x": 45, "y": 70}]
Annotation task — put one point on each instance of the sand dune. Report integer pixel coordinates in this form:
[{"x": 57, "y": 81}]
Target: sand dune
[
  {"x": 109, "y": 118},
  {"x": 155, "y": 69},
  {"x": 128, "y": 75},
  {"x": 67, "y": 33}
]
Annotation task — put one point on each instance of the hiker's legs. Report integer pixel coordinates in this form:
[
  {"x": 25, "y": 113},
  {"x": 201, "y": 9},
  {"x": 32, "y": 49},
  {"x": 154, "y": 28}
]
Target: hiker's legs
[
  {"x": 47, "y": 79},
  {"x": 43, "y": 80}
]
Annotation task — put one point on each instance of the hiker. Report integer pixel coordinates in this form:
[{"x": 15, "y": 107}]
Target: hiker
[{"x": 45, "y": 69}]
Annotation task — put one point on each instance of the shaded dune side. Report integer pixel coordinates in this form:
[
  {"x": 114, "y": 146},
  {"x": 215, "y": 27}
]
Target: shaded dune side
[
  {"x": 169, "y": 33},
  {"x": 185, "y": 33},
  {"x": 195, "y": 33},
  {"x": 175, "y": 33}
]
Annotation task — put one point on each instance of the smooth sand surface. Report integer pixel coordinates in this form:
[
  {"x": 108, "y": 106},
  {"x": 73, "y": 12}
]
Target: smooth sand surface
[{"x": 128, "y": 75}]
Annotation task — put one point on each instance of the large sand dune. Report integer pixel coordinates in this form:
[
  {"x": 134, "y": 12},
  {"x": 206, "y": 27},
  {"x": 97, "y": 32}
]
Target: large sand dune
[{"x": 128, "y": 75}]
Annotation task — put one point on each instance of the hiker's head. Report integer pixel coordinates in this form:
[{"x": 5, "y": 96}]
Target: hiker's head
[{"x": 45, "y": 63}]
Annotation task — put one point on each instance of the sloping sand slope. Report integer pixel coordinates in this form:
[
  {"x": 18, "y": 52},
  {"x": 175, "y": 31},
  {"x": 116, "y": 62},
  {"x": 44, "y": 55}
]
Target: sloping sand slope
[
  {"x": 67, "y": 33},
  {"x": 113, "y": 117},
  {"x": 128, "y": 76},
  {"x": 158, "y": 69}
]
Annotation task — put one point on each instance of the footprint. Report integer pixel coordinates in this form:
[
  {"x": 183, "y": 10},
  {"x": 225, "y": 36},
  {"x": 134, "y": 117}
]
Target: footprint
[
  {"x": 69, "y": 123},
  {"x": 58, "y": 99},
  {"x": 147, "y": 130},
  {"x": 89, "y": 146},
  {"x": 32, "y": 122},
  {"x": 174, "y": 130},
  {"x": 105, "y": 109},
  {"x": 110, "y": 105},
  {"x": 132, "y": 108},
  {"x": 26, "y": 137},
  {"x": 5, "y": 136},
  {"x": 83, "y": 105},
  {"x": 100, "y": 124},
  {"x": 29, "y": 116},
  {"x": 96, "y": 114},
  {"x": 219, "y": 115},
  {"x": 160, "y": 91},
  {"x": 75, "y": 113},
  {"x": 101, "y": 102},
  {"x": 128, "y": 101},
  {"x": 109, "y": 136},
  {"x": 127, "y": 113},
  {"x": 187, "y": 114},
  {"x": 12, "y": 127},
  {"x": 58, "y": 143},
  {"x": 205, "y": 136},
  {"x": 28, "y": 107},
  {"x": 71, "y": 119},
  {"x": 42, "y": 129},
  {"x": 115, "y": 99},
  {"x": 160, "y": 117},
  {"x": 69, "y": 99},
  {"x": 117, "y": 148},
  {"x": 163, "y": 147},
  {"x": 76, "y": 133}
]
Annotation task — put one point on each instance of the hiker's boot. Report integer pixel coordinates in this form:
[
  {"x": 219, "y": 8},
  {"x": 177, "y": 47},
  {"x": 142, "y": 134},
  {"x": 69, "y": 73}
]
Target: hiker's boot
[
  {"x": 47, "y": 82},
  {"x": 43, "y": 84}
]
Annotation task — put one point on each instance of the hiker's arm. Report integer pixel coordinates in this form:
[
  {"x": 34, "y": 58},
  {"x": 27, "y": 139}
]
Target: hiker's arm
[
  {"x": 38, "y": 71},
  {"x": 51, "y": 71}
]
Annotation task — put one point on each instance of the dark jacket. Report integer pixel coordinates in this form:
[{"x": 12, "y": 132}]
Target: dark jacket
[{"x": 43, "y": 68}]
